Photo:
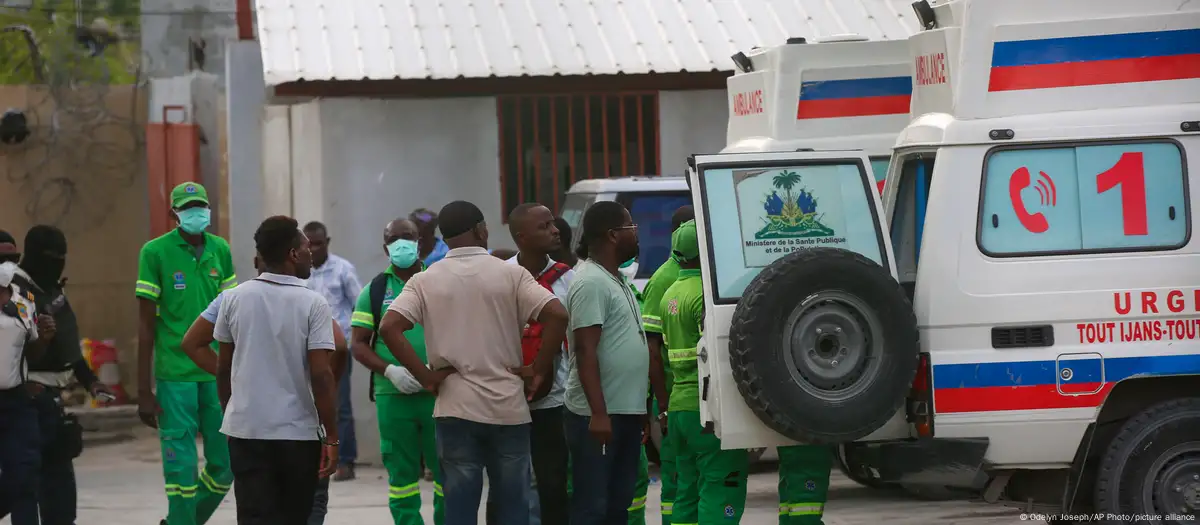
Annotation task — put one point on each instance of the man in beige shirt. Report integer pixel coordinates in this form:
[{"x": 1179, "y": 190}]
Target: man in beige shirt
[{"x": 473, "y": 307}]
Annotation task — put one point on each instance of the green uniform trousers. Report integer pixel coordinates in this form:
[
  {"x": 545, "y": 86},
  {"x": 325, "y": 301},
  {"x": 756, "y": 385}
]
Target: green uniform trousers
[
  {"x": 667, "y": 473},
  {"x": 637, "y": 508},
  {"x": 803, "y": 483},
  {"x": 191, "y": 409},
  {"x": 405, "y": 433},
  {"x": 712, "y": 482}
]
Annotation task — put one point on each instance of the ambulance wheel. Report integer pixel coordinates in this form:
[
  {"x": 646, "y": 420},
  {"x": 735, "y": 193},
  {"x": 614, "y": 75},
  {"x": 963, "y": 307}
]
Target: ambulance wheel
[
  {"x": 1152, "y": 466},
  {"x": 857, "y": 471},
  {"x": 823, "y": 346}
]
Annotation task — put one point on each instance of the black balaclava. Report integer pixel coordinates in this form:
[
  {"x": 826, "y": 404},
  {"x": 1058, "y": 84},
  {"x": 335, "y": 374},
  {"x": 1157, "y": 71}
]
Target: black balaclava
[
  {"x": 5, "y": 237},
  {"x": 44, "y": 269}
]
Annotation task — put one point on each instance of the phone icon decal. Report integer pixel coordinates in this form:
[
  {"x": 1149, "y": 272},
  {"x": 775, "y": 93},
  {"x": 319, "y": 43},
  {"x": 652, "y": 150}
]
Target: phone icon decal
[{"x": 1048, "y": 196}]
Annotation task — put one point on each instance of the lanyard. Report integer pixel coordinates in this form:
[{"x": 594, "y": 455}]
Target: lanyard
[{"x": 629, "y": 300}]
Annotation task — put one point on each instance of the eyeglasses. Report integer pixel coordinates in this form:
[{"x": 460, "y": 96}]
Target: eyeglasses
[{"x": 633, "y": 227}]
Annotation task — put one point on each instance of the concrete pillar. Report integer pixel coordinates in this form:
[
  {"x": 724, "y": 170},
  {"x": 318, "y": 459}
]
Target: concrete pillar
[{"x": 245, "y": 98}]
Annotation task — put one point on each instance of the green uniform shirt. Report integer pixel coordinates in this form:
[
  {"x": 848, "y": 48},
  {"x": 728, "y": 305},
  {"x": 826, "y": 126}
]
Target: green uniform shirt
[
  {"x": 662, "y": 279},
  {"x": 682, "y": 308},
  {"x": 364, "y": 318},
  {"x": 182, "y": 285}
]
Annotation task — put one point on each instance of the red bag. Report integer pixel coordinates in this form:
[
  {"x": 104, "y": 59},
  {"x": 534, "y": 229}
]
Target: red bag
[{"x": 531, "y": 338}]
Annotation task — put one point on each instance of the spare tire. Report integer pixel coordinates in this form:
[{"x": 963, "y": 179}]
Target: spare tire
[{"x": 823, "y": 345}]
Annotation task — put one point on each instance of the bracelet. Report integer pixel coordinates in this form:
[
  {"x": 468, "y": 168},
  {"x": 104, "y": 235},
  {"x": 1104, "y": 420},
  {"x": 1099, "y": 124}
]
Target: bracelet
[{"x": 331, "y": 443}]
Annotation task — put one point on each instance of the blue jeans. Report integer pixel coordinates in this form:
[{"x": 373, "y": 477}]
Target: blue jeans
[
  {"x": 21, "y": 457},
  {"x": 348, "y": 450},
  {"x": 604, "y": 478},
  {"x": 466, "y": 449}
]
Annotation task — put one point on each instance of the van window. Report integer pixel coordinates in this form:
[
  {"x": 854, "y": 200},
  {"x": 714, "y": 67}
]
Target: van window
[
  {"x": 572, "y": 211},
  {"x": 652, "y": 211},
  {"x": 879, "y": 165},
  {"x": 1085, "y": 198},
  {"x": 908, "y": 215},
  {"x": 756, "y": 215}
]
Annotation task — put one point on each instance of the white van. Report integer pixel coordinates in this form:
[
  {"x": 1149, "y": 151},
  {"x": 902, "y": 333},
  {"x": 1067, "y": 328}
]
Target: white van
[
  {"x": 650, "y": 200},
  {"x": 1023, "y": 303}
]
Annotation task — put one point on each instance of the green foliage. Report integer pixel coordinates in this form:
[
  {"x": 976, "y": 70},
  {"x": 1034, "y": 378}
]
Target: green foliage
[{"x": 44, "y": 45}]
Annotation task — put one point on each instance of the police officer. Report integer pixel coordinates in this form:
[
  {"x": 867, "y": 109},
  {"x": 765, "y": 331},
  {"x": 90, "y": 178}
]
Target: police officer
[
  {"x": 20, "y": 457},
  {"x": 712, "y": 482},
  {"x": 54, "y": 369}
]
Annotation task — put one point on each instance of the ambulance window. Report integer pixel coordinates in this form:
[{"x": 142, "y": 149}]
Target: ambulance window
[
  {"x": 652, "y": 211},
  {"x": 1093, "y": 198},
  {"x": 908, "y": 215},
  {"x": 757, "y": 214},
  {"x": 879, "y": 165}
]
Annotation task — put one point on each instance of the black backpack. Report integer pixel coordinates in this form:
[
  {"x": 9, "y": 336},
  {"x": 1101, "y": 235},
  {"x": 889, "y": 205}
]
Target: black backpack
[{"x": 377, "y": 289}]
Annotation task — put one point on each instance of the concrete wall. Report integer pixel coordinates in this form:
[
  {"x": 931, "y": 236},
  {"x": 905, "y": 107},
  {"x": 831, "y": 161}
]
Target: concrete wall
[
  {"x": 170, "y": 28},
  {"x": 690, "y": 122}
]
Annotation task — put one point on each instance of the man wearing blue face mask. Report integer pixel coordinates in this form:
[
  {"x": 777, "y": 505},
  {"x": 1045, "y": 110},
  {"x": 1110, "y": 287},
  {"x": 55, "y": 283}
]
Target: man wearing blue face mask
[
  {"x": 403, "y": 407},
  {"x": 179, "y": 274}
]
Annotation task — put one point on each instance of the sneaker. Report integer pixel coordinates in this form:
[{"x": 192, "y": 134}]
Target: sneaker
[{"x": 344, "y": 473}]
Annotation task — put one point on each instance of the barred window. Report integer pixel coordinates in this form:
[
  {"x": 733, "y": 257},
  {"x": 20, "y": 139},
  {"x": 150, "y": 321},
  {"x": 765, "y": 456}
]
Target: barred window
[{"x": 547, "y": 143}]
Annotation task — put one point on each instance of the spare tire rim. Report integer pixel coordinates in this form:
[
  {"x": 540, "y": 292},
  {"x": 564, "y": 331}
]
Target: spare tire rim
[
  {"x": 1173, "y": 484},
  {"x": 830, "y": 345}
]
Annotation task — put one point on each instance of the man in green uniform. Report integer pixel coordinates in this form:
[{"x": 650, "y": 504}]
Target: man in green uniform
[
  {"x": 179, "y": 274},
  {"x": 403, "y": 407},
  {"x": 712, "y": 482},
  {"x": 803, "y": 483},
  {"x": 660, "y": 375}
]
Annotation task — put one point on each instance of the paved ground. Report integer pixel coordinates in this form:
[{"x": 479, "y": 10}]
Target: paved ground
[{"x": 121, "y": 483}]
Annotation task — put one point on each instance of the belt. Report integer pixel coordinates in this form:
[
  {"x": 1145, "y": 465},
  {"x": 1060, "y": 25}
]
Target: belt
[{"x": 54, "y": 379}]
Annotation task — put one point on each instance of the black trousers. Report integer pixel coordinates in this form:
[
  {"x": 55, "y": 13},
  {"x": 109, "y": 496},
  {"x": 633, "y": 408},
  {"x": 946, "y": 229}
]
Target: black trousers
[
  {"x": 548, "y": 446},
  {"x": 61, "y": 444},
  {"x": 274, "y": 481}
]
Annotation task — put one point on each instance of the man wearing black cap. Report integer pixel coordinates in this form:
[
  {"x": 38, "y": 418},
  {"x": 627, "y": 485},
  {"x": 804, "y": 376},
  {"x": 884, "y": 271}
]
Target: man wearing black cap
[
  {"x": 54, "y": 369},
  {"x": 473, "y": 307}
]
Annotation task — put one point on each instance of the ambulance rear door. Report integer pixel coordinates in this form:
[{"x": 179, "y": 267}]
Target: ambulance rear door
[{"x": 808, "y": 336}]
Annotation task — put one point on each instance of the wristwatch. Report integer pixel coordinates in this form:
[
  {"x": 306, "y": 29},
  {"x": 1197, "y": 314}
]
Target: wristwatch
[{"x": 662, "y": 414}]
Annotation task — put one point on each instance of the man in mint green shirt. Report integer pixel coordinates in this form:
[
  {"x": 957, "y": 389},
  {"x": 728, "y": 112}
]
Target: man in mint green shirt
[{"x": 609, "y": 371}]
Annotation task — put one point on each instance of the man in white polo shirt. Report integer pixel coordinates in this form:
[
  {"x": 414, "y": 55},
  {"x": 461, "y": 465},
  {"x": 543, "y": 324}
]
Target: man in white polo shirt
[
  {"x": 473, "y": 307},
  {"x": 275, "y": 381}
]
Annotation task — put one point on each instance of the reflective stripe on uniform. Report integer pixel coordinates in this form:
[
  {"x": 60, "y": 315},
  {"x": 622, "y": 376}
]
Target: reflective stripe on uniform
[
  {"x": 229, "y": 283},
  {"x": 181, "y": 491},
  {"x": 147, "y": 289},
  {"x": 407, "y": 491},
  {"x": 805, "y": 509},
  {"x": 638, "y": 504},
  {"x": 212, "y": 484},
  {"x": 667, "y": 507},
  {"x": 652, "y": 322},
  {"x": 363, "y": 320},
  {"x": 682, "y": 354},
  {"x": 437, "y": 489}
]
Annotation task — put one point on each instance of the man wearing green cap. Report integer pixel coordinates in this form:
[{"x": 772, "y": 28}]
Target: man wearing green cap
[
  {"x": 712, "y": 482},
  {"x": 660, "y": 375},
  {"x": 179, "y": 274}
]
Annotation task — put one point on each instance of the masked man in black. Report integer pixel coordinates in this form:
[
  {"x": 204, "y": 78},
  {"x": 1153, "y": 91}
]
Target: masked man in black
[{"x": 51, "y": 371}]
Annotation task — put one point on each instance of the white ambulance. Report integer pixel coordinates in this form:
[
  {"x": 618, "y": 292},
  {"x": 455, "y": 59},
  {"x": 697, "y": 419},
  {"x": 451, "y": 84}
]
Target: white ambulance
[{"x": 1023, "y": 303}]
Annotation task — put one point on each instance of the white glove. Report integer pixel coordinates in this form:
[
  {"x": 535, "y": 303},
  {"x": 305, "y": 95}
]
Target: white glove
[{"x": 402, "y": 379}]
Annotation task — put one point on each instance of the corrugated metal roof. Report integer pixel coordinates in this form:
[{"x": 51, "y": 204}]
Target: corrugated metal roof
[{"x": 441, "y": 39}]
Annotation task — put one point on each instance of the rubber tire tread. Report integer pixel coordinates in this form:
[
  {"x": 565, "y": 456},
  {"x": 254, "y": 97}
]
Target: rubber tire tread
[
  {"x": 763, "y": 309},
  {"x": 1115, "y": 468}
]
